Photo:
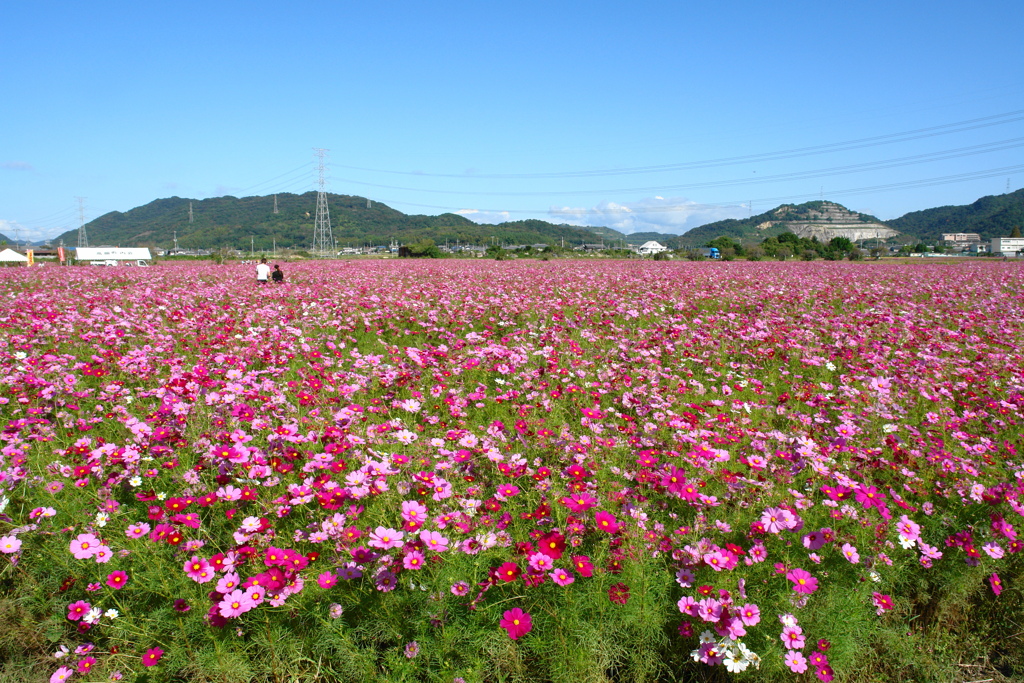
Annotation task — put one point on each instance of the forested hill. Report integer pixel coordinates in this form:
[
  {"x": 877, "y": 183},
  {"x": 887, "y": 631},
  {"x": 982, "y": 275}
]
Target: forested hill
[
  {"x": 990, "y": 216},
  {"x": 233, "y": 221},
  {"x": 809, "y": 218}
]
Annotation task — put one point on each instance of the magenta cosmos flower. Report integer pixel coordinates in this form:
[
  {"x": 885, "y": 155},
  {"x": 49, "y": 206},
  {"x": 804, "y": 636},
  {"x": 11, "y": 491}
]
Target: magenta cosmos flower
[
  {"x": 152, "y": 656},
  {"x": 802, "y": 580},
  {"x": 517, "y": 622},
  {"x": 78, "y": 609},
  {"x": 996, "y": 583},
  {"x": 117, "y": 580},
  {"x": 606, "y": 522}
]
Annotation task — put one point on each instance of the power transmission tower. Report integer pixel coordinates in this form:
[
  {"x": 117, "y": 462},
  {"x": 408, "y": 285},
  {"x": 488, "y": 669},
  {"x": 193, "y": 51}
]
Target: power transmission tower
[
  {"x": 83, "y": 238},
  {"x": 190, "y": 213},
  {"x": 323, "y": 240},
  {"x": 275, "y": 203}
]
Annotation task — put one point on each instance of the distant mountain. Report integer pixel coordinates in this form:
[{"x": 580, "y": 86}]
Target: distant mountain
[
  {"x": 240, "y": 222},
  {"x": 4, "y": 239},
  {"x": 990, "y": 216},
  {"x": 819, "y": 219}
]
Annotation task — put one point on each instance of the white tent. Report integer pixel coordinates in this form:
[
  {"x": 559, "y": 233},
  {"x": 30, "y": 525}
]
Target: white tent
[{"x": 11, "y": 256}]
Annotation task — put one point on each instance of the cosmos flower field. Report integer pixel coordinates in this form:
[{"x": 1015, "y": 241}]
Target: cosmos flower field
[{"x": 474, "y": 470}]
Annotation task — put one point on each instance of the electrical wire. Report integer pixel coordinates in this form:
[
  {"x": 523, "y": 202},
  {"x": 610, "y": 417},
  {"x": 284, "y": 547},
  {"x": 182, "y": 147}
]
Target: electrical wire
[
  {"x": 799, "y": 175},
  {"x": 892, "y": 138},
  {"x": 924, "y": 182}
]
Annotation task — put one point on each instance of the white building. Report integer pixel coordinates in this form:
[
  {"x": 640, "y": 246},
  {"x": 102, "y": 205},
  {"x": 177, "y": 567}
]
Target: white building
[
  {"x": 1007, "y": 246},
  {"x": 960, "y": 237},
  {"x": 652, "y": 247},
  {"x": 112, "y": 254}
]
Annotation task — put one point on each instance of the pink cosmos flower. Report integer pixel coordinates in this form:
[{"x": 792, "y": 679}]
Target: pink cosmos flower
[
  {"x": 517, "y": 623},
  {"x": 413, "y": 560},
  {"x": 796, "y": 661},
  {"x": 434, "y": 541},
  {"x": 562, "y": 577},
  {"x": 792, "y": 637},
  {"x": 327, "y": 580},
  {"x": 850, "y": 553},
  {"x": 199, "y": 570},
  {"x": 85, "y": 664},
  {"x": 385, "y": 538},
  {"x": 540, "y": 562},
  {"x": 802, "y": 580},
  {"x": 996, "y": 583},
  {"x": 777, "y": 520},
  {"x": 908, "y": 529},
  {"x": 413, "y": 511},
  {"x": 606, "y": 522},
  {"x": 78, "y": 609},
  {"x": 152, "y": 656},
  {"x": 716, "y": 560},
  {"x": 583, "y": 566},
  {"x": 506, "y": 491},
  {"x": 992, "y": 549},
  {"x": 117, "y": 580},
  {"x": 460, "y": 588},
  {"x": 750, "y": 614},
  {"x": 882, "y": 603},
  {"x": 579, "y": 502},
  {"x": 234, "y": 604},
  {"x": 228, "y": 583},
  {"x": 62, "y": 674},
  {"x": 9, "y": 544},
  {"x": 85, "y": 546},
  {"x": 137, "y": 530}
]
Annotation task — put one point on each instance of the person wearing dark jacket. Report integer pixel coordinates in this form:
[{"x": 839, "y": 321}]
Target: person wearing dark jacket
[{"x": 277, "y": 275}]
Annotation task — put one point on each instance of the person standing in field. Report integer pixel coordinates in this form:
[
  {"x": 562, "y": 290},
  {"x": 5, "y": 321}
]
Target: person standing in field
[{"x": 262, "y": 272}]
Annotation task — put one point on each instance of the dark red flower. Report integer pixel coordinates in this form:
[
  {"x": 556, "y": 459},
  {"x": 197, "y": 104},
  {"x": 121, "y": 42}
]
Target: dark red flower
[{"x": 618, "y": 593}]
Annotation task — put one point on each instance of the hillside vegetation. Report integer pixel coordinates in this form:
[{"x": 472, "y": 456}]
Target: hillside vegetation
[
  {"x": 233, "y": 221},
  {"x": 990, "y": 216}
]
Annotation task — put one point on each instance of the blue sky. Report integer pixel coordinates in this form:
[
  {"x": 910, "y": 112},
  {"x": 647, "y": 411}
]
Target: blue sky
[{"x": 641, "y": 116}]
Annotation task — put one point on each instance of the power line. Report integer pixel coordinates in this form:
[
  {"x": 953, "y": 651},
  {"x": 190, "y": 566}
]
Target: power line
[
  {"x": 924, "y": 182},
  {"x": 797, "y": 175},
  {"x": 891, "y": 138}
]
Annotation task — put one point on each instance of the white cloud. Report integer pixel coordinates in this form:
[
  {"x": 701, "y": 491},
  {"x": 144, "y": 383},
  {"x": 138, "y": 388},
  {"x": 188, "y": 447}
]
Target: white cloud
[
  {"x": 489, "y": 217},
  {"x": 16, "y": 165},
  {"x": 674, "y": 215},
  {"x": 17, "y": 232}
]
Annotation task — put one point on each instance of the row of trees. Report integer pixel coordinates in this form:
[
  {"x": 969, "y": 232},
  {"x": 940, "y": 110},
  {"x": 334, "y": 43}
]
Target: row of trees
[{"x": 788, "y": 245}]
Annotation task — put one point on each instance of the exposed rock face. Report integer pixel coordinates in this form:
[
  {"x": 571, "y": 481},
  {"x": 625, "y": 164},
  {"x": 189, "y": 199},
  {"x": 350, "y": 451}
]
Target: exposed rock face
[{"x": 828, "y": 221}]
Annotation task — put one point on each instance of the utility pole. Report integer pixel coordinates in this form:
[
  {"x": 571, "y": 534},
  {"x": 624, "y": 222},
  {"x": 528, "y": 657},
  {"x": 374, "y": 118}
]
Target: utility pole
[
  {"x": 275, "y": 203},
  {"x": 175, "y": 240},
  {"x": 190, "y": 219},
  {"x": 251, "y": 242},
  {"x": 323, "y": 240},
  {"x": 83, "y": 238}
]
